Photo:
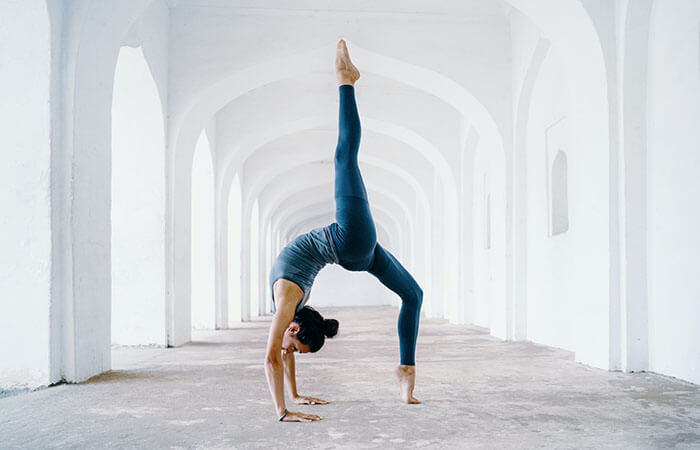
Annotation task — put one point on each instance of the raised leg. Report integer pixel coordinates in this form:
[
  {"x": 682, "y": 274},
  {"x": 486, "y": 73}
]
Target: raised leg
[
  {"x": 348, "y": 179},
  {"x": 354, "y": 233}
]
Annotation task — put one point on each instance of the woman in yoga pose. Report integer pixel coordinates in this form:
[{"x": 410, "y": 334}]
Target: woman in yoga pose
[{"x": 350, "y": 241}]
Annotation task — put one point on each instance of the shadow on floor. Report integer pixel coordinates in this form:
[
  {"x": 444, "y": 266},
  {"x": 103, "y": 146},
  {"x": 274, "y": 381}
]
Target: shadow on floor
[
  {"x": 208, "y": 344},
  {"x": 114, "y": 376}
]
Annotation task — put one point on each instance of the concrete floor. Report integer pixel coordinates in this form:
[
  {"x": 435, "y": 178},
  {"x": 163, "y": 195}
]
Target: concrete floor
[{"x": 478, "y": 392}]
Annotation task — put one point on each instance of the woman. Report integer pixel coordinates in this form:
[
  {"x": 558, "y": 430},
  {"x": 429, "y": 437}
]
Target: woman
[{"x": 351, "y": 242}]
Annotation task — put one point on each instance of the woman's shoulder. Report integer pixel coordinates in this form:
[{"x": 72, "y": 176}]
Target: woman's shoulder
[{"x": 286, "y": 291}]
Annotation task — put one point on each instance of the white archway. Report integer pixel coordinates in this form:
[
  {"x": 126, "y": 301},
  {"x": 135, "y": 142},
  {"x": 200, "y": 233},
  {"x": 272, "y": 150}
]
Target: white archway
[
  {"x": 138, "y": 204},
  {"x": 202, "y": 232},
  {"x": 234, "y": 252},
  {"x": 254, "y": 262}
]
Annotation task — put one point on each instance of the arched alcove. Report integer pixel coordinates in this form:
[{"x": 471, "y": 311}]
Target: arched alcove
[
  {"x": 234, "y": 252},
  {"x": 202, "y": 235},
  {"x": 559, "y": 195},
  {"x": 138, "y": 204}
]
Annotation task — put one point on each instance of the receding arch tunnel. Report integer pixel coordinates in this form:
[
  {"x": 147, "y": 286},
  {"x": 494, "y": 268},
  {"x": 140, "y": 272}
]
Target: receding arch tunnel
[{"x": 530, "y": 163}]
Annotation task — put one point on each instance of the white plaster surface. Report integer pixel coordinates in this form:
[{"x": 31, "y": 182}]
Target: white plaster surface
[
  {"x": 25, "y": 225},
  {"x": 673, "y": 208}
]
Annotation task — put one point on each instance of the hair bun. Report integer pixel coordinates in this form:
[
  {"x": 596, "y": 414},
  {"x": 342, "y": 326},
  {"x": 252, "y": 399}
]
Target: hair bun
[{"x": 330, "y": 327}]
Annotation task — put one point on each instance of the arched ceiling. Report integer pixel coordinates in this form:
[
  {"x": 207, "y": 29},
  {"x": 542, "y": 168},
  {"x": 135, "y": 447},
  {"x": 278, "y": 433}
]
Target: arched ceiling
[
  {"x": 268, "y": 86},
  {"x": 255, "y": 105}
]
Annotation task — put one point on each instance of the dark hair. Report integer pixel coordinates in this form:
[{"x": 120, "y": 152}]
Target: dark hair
[{"x": 313, "y": 328}]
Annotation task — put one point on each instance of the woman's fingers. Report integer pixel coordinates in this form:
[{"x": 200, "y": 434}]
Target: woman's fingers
[
  {"x": 309, "y": 401},
  {"x": 300, "y": 417}
]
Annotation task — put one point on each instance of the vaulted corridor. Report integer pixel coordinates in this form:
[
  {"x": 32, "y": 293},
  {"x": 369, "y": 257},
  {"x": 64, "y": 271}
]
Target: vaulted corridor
[{"x": 532, "y": 164}]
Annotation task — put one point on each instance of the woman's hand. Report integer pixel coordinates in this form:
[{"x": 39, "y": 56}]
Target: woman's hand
[
  {"x": 304, "y": 400},
  {"x": 300, "y": 417}
]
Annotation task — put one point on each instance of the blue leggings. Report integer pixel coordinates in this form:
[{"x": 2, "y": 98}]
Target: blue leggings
[{"x": 354, "y": 234}]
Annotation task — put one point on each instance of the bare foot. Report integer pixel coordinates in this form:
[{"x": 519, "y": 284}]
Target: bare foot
[
  {"x": 345, "y": 70},
  {"x": 407, "y": 381}
]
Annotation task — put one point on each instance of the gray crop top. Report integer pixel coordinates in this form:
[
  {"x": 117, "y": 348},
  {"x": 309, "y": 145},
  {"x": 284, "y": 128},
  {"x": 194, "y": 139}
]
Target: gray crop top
[{"x": 302, "y": 259}]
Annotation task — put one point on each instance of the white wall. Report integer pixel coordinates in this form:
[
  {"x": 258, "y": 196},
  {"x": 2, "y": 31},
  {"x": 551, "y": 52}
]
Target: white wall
[
  {"x": 25, "y": 226},
  {"x": 489, "y": 244},
  {"x": 550, "y": 305},
  {"x": 673, "y": 208},
  {"x": 567, "y": 274},
  {"x": 568, "y": 27}
]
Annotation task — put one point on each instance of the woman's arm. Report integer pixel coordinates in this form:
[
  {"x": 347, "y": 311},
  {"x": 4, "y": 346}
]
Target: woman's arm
[
  {"x": 291, "y": 382},
  {"x": 290, "y": 379},
  {"x": 285, "y": 305},
  {"x": 273, "y": 359}
]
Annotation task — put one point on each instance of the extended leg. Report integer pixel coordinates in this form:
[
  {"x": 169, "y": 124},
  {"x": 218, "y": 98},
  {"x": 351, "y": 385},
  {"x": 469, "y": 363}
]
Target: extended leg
[
  {"x": 348, "y": 179},
  {"x": 354, "y": 233}
]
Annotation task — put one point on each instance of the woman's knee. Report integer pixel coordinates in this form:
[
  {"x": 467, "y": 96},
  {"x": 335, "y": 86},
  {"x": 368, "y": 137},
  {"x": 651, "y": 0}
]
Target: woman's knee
[
  {"x": 419, "y": 296},
  {"x": 414, "y": 296}
]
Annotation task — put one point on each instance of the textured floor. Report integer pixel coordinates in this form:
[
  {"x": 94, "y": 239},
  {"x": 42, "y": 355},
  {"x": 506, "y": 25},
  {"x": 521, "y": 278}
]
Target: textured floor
[{"x": 478, "y": 392}]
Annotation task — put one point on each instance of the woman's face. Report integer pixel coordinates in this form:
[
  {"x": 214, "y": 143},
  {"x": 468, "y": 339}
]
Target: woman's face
[{"x": 290, "y": 343}]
